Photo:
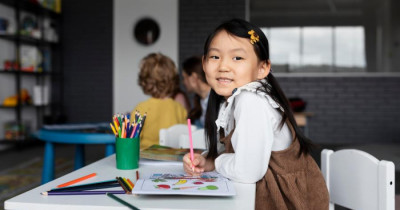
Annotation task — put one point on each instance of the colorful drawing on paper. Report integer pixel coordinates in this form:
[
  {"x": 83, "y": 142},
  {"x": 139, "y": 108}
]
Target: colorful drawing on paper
[
  {"x": 209, "y": 187},
  {"x": 159, "y": 180},
  {"x": 162, "y": 186},
  {"x": 183, "y": 188},
  {"x": 181, "y": 181},
  {"x": 210, "y": 183},
  {"x": 184, "y": 181}
]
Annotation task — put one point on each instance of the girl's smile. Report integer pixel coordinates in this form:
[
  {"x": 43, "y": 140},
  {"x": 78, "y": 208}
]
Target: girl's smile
[
  {"x": 231, "y": 62},
  {"x": 224, "y": 80}
]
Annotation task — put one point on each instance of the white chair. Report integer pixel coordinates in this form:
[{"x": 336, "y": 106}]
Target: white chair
[
  {"x": 357, "y": 180},
  {"x": 198, "y": 137},
  {"x": 170, "y": 136}
]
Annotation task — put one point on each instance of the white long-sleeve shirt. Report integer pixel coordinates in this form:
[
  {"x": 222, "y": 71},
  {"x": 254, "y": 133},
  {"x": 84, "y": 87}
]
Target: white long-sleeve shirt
[{"x": 255, "y": 118}]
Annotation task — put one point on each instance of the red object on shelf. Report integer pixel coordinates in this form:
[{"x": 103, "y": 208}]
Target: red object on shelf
[
  {"x": 7, "y": 65},
  {"x": 10, "y": 65}
]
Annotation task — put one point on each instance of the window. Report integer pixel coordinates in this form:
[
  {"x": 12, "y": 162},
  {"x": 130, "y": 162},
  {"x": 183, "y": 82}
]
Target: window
[{"x": 317, "y": 49}]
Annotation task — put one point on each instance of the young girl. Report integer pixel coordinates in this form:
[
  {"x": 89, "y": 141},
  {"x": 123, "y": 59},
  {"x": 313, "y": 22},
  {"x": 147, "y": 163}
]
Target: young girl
[
  {"x": 249, "y": 114},
  {"x": 195, "y": 81}
]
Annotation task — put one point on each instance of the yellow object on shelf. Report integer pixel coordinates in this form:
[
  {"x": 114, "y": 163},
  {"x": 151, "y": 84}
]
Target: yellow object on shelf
[
  {"x": 10, "y": 101},
  {"x": 13, "y": 100}
]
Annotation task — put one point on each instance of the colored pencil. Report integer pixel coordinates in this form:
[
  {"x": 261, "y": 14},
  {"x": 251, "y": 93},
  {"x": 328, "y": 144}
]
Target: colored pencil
[
  {"x": 138, "y": 130},
  {"x": 77, "y": 180},
  {"x": 116, "y": 123},
  {"x": 114, "y": 131},
  {"x": 121, "y": 183},
  {"x": 84, "y": 192},
  {"x": 191, "y": 142},
  {"x": 131, "y": 183},
  {"x": 119, "y": 200},
  {"x": 91, "y": 186},
  {"x": 128, "y": 127},
  {"x": 123, "y": 130},
  {"x": 127, "y": 183},
  {"x": 119, "y": 119},
  {"x": 144, "y": 117},
  {"x": 126, "y": 120},
  {"x": 137, "y": 175},
  {"x": 133, "y": 130},
  {"x": 136, "y": 116}
]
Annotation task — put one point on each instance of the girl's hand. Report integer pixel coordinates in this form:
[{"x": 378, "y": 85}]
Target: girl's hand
[{"x": 199, "y": 163}]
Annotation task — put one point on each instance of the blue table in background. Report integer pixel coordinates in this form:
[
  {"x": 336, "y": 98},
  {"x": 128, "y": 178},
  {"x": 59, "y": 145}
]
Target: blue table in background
[{"x": 72, "y": 134}]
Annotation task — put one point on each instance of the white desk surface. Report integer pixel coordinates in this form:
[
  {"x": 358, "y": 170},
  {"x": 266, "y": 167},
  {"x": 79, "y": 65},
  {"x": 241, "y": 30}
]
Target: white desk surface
[{"x": 106, "y": 170}]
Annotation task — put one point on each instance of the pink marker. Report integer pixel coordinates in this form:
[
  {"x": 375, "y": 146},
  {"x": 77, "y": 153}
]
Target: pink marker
[{"x": 191, "y": 142}]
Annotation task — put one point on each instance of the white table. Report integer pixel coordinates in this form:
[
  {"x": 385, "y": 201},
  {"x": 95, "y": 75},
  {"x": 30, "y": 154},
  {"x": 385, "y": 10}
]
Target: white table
[{"x": 106, "y": 170}]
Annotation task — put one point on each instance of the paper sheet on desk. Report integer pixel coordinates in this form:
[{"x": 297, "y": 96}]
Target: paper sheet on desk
[{"x": 208, "y": 184}]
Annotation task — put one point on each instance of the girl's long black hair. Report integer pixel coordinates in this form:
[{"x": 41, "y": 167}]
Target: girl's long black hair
[{"x": 240, "y": 28}]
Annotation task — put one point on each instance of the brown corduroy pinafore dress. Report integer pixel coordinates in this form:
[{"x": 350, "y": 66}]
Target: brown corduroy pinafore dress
[{"x": 291, "y": 181}]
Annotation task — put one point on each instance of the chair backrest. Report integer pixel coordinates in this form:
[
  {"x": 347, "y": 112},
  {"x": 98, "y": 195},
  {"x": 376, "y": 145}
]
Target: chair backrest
[
  {"x": 198, "y": 137},
  {"x": 170, "y": 136},
  {"x": 357, "y": 180}
]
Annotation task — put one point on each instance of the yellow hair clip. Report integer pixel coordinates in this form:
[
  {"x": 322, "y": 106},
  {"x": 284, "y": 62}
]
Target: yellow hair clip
[{"x": 253, "y": 37}]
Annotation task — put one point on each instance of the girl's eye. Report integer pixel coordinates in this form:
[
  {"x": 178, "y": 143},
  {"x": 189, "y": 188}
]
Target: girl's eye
[
  {"x": 214, "y": 57},
  {"x": 237, "y": 58}
]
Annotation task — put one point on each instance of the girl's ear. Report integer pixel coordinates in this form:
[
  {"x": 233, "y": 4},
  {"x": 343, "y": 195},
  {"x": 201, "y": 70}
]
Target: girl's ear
[{"x": 264, "y": 69}]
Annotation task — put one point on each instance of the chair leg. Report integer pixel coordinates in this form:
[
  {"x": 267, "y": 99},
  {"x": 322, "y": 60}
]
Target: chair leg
[
  {"x": 79, "y": 156},
  {"x": 48, "y": 163},
  {"x": 110, "y": 149}
]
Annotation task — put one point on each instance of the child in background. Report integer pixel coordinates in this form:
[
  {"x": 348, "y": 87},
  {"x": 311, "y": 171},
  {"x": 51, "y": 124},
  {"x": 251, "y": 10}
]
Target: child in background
[
  {"x": 180, "y": 96},
  {"x": 195, "y": 81},
  {"x": 248, "y": 113},
  {"x": 157, "y": 77}
]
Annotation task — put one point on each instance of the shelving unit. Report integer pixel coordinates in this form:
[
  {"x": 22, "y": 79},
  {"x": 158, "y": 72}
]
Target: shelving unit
[{"x": 52, "y": 77}]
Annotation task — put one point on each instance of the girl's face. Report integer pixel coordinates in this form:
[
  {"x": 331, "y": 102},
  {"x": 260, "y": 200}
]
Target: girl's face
[{"x": 231, "y": 62}]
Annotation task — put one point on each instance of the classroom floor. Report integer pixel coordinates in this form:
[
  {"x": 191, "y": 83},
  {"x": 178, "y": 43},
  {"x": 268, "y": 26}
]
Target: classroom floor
[{"x": 19, "y": 155}]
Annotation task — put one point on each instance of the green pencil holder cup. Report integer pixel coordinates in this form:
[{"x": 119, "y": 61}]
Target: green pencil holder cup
[{"x": 127, "y": 153}]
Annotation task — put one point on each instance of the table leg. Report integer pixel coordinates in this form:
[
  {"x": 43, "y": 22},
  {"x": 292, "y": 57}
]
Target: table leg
[
  {"x": 79, "y": 156},
  {"x": 110, "y": 149},
  {"x": 48, "y": 163}
]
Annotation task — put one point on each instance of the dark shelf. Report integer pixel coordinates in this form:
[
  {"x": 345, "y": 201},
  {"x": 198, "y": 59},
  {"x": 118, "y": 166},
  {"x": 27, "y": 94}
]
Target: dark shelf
[
  {"x": 25, "y": 105},
  {"x": 26, "y": 40},
  {"x": 20, "y": 142},
  {"x": 54, "y": 68},
  {"x": 7, "y": 107},
  {"x": 28, "y": 6},
  {"x": 28, "y": 73},
  {"x": 13, "y": 141}
]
